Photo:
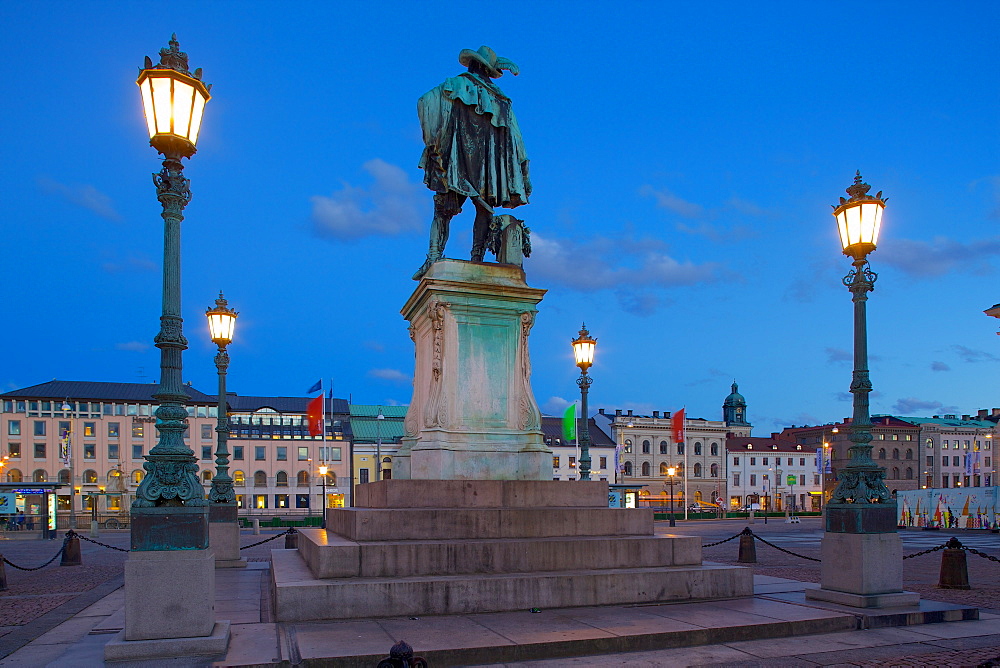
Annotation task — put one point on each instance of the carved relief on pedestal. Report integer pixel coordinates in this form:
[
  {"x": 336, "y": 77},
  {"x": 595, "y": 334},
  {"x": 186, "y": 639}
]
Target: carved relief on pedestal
[
  {"x": 436, "y": 408},
  {"x": 528, "y": 416}
]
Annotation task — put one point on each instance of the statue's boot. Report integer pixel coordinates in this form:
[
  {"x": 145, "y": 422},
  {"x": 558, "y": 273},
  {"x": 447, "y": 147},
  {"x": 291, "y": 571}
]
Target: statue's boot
[
  {"x": 425, "y": 267},
  {"x": 481, "y": 229}
]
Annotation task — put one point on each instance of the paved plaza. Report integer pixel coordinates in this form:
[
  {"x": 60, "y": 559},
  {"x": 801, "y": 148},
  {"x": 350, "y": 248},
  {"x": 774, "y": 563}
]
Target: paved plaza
[{"x": 63, "y": 616}]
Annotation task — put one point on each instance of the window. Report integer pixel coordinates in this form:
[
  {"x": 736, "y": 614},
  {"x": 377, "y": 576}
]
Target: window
[
  {"x": 645, "y": 469},
  {"x": 987, "y": 461},
  {"x": 260, "y": 480},
  {"x": 895, "y": 437},
  {"x": 64, "y": 477},
  {"x": 136, "y": 431},
  {"x": 572, "y": 462},
  {"x": 895, "y": 453},
  {"x": 604, "y": 463},
  {"x": 89, "y": 451},
  {"x": 329, "y": 453},
  {"x": 909, "y": 453},
  {"x": 281, "y": 479},
  {"x": 137, "y": 451},
  {"x": 663, "y": 447},
  {"x": 90, "y": 429},
  {"x": 38, "y": 475},
  {"x": 112, "y": 451},
  {"x": 736, "y": 461},
  {"x": 39, "y": 451},
  {"x": 259, "y": 453},
  {"x": 206, "y": 452},
  {"x": 944, "y": 480},
  {"x": 697, "y": 469},
  {"x": 663, "y": 468},
  {"x": 628, "y": 445},
  {"x": 930, "y": 460},
  {"x": 802, "y": 462},
  {"x": 303, "y": 453},
  {"x": 302, "y": 479},
  {"x": 753, "y": 461},
  {"x": 736, "y": 480},
  {"x": 14, "y": 450},
  {"x": 237, "y": 452},
  {"x": 909, "y": 437},
  {"x": 881, "y": 437},
  {"x": 627, "y": 468},
  {"x": 281, "y": 453},
  {"x": 715, "y": 450},
  {"x": 680, "y": 448},
  {"x": 816, "y": 479},
  {"x": 789, "y": 461},
  {"x": 206, "y": 476},
  {"x": 645, "y": 447},
  {"x": 955, "y": 460},
  {"x": 697, "y": 448},
  {"x": 765, "y": 461},
  {"x": 14, "y": 428},
  {"x": 753, "y": 479},
  {"x": 944, "y": 461},
  {"x": 881, "y": 453},
  {"x": 137, "y": 476},
  {"x": 260, "y": 501},
  {"x": 555, "y": 462},
  {"x": 363, "y": 476},
  {"x": 280, "y": 500},
  {"x": 90, "y": 477},
  {"x": 301, "y": 500},
  {"x": 14, "y": 475},
  {"x": 39, "y": 428},
  {"x": 113, "y": 428},
  {"x": 714, "y": 470},
  {"x": 802, "y": 479},
  {"x": 909, "y": 473},
  {"x": 206, "y": 432},
  {"x": 239, "y": 478}
]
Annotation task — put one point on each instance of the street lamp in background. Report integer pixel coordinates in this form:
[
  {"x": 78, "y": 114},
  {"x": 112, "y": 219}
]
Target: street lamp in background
[
  {"x": 861, "y": 516},
  {"x": 824, "y": 458},
  {"x": 671, "y": 472},
  {"x": 583, "y": 351},
  {"x": 378, "y": 444},
  {"x": 69, "y": 464},
  {"x": 322, "y": 472}
]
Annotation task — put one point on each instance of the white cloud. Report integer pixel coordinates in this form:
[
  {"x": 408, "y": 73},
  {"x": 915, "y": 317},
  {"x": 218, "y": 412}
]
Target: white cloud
[
  {"x": 391, "y": 375},
  {"x": 555, "y": 406},
  {"x": 392, "y": 205},
  {"x": 940, "y": 256},
  {"x": 83, "y": 195},
  {"x": 705, "y": 220},
  {"x": 671, "y": 202},
  {"x": 973, "y": 356},
  {"x": 839, "y": 355},
  {"x": 132, "y": 346},
  {"x": 912, "y": 406}
]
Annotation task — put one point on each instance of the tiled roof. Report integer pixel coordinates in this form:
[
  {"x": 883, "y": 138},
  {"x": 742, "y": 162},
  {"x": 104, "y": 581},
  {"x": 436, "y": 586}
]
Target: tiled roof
[
  {"x": 552, "y": 428},
  {"x": 368, "y": 430},
  {"x": 99, "y": 391},
  {"x": 950, "y": 422},
  {"x": 764, "y": 445},
  {"x": 365, "y": 410}
]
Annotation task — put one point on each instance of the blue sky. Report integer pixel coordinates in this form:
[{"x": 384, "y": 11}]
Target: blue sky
[{"x": 684, "y": 158}]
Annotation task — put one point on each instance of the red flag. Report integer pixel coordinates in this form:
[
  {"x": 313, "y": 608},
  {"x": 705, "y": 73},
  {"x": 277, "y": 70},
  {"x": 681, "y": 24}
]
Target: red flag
[
  {"x": 677, "y": 424},
  {"x": 314, "y": 415}
]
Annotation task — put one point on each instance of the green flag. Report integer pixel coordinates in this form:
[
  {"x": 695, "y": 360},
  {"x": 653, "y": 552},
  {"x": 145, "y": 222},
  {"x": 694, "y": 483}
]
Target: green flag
[{"x": 569, "y": 423}]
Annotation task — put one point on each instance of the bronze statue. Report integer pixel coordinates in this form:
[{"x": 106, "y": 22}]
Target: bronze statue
[{"x": 474, "y": 150}]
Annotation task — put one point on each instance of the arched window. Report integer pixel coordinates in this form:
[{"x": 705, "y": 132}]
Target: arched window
[
  {"x": 680, "y": 448},
  {"x": 645, "y": 447},
  {"x": 909, "y": 453},
  {"x": 715, "y": 450},
  {"x": 64, "y": 477},
  {"x": 627, "y": 468},
  {"x": 697, "y": 495},
  {"x": 628, "y": 445},
  {"x": 697, "y": 469},
  {"x": 259, "y": 479},
  {"x": 909, "y": 473},
  {"x": 645, "y": 469},
  {"x": 137, "y": 476},
  {"x": 663, "y": 469},
  {"x": 331, "y": 479},
  {"x": 663, "y": 447},
  {"x": 680, "y": 469},
  {"x": 303, "y": 479},
  {"x": 39, "y": 476},
  {"x": 895, "y": 453},
  {"x": 90, "y": 477},
  {"x": 239, "y": 478},
  {"x": 14, "y": 475},
  {"x": 387, "y": 460},
  {"x": 281, "y": 479},
  {"x": 833, "y": 454},
  {"x": 881, "y": 453},
  {"x": 697, "y": 448},
  {"x": 206, "y": 476},
  {"x": 714, "y": 469},
  {"x": 114, "y": 477}
]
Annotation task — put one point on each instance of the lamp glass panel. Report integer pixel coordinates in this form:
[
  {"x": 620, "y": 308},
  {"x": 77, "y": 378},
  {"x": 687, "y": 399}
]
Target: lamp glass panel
[
  {"x": 147, "y": 106},
  {"x": 161, "y": 103},
  {"x": 183, "y": 95},
  {"x": 196, "y": 114},
  {"x": 584, "y": 351},
  {"x": 878, "y": 223},
  {"x": 853, "y": 214},
  {"x": 842, "y": 227},
  {"x": 322, "y": 470},
  {"x": 221, "y": 326},
  {"x": 868, "y": 222}
]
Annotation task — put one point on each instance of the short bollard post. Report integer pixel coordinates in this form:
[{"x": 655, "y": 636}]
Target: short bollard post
[
  {"x": 291, "y": 539},
  {"x": 71, "y": 555},
  {"x": 256, "y": 526},
  {"x": 748, "y": 549},
  {"x": 401, "y": 656},
  {"x": 954, "y": 568},
  {"x": 3, "y": 574}
]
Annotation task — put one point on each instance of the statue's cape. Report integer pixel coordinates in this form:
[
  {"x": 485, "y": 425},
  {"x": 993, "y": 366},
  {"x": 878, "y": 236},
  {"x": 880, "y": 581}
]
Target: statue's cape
[{"x": 462, "y": 153}]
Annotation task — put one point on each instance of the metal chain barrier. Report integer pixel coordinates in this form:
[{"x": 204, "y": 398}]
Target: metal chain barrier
[
  {"x": 767, "y": 542},
  {"x": 36, "y": 568},
  {"x": 920, "y": 554},
  {"x": 72, "y": 533},
  {"x": 981, "y": 554},
  {"x": 722, "y": 541},
  {"x": 291, "y": 530}
]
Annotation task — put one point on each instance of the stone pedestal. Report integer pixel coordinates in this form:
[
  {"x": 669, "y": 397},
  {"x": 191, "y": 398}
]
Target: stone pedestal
[
  {"x": 862, "y": 570},
  {"x": 224, "y": 536},
  {"x": 473, "y": 415}
]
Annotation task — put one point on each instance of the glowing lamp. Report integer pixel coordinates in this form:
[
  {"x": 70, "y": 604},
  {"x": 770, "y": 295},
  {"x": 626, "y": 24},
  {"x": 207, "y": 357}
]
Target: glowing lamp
[
  {"x": 173, "y": 100},
  {"x": 859, "y": 219},
  {"x": 323, "y": 470},
  {"x": 583, "y": 349},
  {"x": 221, "y": 322}
]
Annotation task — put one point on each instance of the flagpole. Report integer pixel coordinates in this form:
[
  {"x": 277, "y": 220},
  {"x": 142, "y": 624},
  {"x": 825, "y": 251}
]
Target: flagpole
[{"x": 687, "y": 471}]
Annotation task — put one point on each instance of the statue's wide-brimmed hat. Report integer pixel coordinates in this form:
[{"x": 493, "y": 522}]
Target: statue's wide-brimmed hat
[{"x": 488, "y": 57}]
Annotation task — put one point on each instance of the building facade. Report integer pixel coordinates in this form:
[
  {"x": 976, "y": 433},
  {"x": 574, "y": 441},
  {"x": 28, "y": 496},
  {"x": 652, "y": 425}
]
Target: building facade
[
  {"x": 770, "y": 473},
  {"x": 376, "y": 440},
  {"x": 956, "y": 451},
  {"x": 92, "y": 437},
  {"x": 566, "y": 454}
]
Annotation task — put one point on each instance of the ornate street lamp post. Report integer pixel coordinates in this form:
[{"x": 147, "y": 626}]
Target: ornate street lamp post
[
  {"x": 322, "y": 473},
  {"x": 861, "y": 514},
  {"x": 378, "y": 444},
  {"x": 583, "y": 351},
  {"x": 170, "y": 558},
  {"x": 671, "y": 472}
]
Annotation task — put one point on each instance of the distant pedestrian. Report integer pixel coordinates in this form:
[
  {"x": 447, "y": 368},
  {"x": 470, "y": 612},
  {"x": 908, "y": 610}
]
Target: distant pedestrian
[
  {"x": 31, "y": 522},
  {"x": 20, "y": 520}
]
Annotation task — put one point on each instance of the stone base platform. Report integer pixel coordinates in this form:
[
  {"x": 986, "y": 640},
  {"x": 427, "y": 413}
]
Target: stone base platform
[{"x": 422, "y": 547}]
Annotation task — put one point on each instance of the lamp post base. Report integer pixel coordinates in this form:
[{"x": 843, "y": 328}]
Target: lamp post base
[
  {"x": 224, "y": 536},
  {"x": 863, "y": 570}
]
